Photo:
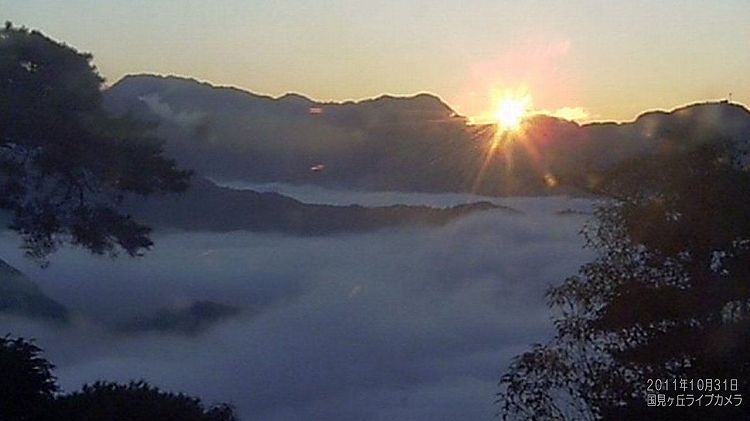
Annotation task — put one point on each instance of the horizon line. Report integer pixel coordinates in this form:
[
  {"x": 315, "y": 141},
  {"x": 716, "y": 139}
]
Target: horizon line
[{"x": 245, "y": 90}]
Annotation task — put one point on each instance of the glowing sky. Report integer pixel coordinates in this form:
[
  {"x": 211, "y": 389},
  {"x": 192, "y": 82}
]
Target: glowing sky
[{"x": 609, "y": 60}]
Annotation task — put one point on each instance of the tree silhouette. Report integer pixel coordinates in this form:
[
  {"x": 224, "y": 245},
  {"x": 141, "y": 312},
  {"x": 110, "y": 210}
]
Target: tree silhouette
[
  {"x": 27, "y": 386},
  {"x": 667, "y": 297},
  {"x": 136, "y": 401},
  {"x": 28, "y": 392},
  {"x": 65, "y": 164}
]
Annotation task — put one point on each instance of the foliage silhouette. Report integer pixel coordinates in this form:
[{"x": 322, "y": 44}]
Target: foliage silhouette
[
  {"x": 136, "y": 401},
  {"x": 27, "y": 386},
  {"x": 28, "y": 392},
  {"x": 667, "y": 297},
  {"x": 65, "y": 164}
]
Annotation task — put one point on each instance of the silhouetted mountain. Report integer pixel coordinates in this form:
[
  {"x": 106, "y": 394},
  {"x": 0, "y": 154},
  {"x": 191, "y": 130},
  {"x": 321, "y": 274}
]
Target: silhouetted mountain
[
  {"x": 410, "y": 144},
  {"x": 206, "y": 206},
  {"x": 185, "y": 320},
  {"x": 225, "y": 133},
  {"x": 21, "y": 297}
]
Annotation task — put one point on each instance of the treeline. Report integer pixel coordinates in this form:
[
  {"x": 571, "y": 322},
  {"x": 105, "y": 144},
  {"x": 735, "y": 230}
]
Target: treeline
[{"x": 29, "y": 392}]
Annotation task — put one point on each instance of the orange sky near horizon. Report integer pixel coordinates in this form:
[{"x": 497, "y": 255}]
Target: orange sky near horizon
[{"x": 580, "y": 59}]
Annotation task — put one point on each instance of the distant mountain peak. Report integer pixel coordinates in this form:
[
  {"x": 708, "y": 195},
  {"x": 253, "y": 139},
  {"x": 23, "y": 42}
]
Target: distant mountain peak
[
  {"x": 423, "y": 101},
  {"x": 693, "y": 108},
  {"x": 145, "y": 83},
  {"x": 296, "y": 97}
]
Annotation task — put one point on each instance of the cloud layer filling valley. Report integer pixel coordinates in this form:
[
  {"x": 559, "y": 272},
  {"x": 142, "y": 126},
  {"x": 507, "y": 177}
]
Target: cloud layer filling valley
[{"x": 393, "y": 325}]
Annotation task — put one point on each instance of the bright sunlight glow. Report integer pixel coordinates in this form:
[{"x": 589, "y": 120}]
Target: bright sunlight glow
[{"x": 511, "y": 112}]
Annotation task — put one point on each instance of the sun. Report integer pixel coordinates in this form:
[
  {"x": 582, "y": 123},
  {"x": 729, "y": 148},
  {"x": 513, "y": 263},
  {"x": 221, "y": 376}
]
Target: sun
[{"x": 510, "y": 112}]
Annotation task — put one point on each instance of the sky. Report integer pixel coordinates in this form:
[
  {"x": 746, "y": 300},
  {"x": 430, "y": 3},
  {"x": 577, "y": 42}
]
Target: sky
[{"x": 589, "y": 59}]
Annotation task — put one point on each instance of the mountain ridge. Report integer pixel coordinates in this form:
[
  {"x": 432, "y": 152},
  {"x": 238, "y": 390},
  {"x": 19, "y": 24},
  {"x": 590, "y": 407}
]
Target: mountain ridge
[
  {"x": 156, "y": 78},
  {"x": 208, "y": 207},
  {"x": 388, "y": 143}
]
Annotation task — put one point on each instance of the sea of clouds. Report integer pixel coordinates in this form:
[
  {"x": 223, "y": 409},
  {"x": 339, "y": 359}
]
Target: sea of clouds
[{"x": 409, "y": 324}]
